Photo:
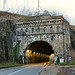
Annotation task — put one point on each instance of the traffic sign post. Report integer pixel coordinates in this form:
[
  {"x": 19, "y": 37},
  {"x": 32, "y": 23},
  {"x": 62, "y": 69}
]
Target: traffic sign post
[{"x": 55, "y": 60}]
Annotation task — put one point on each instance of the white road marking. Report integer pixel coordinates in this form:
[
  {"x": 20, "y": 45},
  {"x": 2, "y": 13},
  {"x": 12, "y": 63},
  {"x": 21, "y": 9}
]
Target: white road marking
[
  {"x": 17, "y": 71},
  {"x": 2, "y": 69}
]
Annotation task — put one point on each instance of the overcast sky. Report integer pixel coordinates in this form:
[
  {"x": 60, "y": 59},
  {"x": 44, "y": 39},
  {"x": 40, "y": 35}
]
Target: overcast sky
[{"x": 66, "y": 7}]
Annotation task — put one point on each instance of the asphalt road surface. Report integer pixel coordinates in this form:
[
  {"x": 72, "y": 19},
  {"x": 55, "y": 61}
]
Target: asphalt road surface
[{"x": 22, "y": 70}]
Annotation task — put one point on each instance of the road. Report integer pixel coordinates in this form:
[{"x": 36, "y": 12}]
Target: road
[{"x": 22, "y": 70}]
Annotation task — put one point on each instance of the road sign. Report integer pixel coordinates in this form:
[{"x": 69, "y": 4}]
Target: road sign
[
  {"x": 69, "y": 58},
  {"x": 56, "y": 57},
  {"x": 61, "y": 60}
]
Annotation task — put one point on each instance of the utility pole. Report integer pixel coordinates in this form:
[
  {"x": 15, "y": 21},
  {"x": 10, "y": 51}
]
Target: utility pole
[
  {"x": 38, "y": 7},
  {"x": 4, "y": 4},
  {"x": 23, "y": 12},
  {"x": 38, "y": 10}
]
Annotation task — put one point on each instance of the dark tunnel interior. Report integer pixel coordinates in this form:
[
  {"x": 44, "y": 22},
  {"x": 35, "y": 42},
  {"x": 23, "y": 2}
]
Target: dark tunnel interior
[{"x": 42, "y": 47}]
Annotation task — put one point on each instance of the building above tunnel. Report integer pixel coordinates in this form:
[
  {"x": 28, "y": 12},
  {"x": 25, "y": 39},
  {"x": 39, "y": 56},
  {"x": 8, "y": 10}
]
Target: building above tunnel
[{"x": 52, "y": 29}]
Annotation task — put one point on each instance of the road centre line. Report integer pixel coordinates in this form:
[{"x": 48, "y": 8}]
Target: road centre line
[{"x": 17, "y": 71}]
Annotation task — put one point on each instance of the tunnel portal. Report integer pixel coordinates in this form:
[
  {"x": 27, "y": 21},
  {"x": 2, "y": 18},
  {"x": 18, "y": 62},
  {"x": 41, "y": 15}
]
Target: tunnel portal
[{"x": 38, "y": 51}]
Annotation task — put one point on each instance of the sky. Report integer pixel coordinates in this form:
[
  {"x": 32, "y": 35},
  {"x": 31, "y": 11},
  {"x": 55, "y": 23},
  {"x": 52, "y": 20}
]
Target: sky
[{"x": 66, "y": 7}]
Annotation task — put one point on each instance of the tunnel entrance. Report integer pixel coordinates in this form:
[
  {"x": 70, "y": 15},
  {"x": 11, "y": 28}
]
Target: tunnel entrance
[
  {"x": 42, "y": 47},
  {"x": 38, "y": 51}
]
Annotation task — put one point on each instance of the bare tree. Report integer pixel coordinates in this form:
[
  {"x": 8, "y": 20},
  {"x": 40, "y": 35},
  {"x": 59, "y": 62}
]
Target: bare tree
[
  {"x": 4, "y": 3},
  {"x": 55, "y": 13},
  {"x": 46, "y": 12}
]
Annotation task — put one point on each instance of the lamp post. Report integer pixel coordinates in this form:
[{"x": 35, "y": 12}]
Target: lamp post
[{"x": 38, "y": 10}]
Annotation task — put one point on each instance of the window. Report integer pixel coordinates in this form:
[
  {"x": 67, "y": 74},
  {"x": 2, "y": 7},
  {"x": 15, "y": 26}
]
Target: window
[
  {"x": 38, "y": 29},
  {"x": 17, "y": 32},
  {"x": 52, "y": 37},
  {"x": 32, "y": 30},
  {"x": 51, "y": 28},
  {"x": 26, "y": 30},
  {"x": 21, "y": 31},
  {"x": 44, "y": 29},
  {"x": 57, "y": 28}
]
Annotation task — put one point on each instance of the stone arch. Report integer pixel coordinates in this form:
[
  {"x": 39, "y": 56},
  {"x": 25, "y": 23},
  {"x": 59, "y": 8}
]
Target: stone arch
[
  {"x": 31, "y": 38},
  {"x": 24, "y": 43}
]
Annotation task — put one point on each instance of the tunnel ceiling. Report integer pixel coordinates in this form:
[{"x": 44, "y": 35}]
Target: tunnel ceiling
[{"x": 41, "y": 47}]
